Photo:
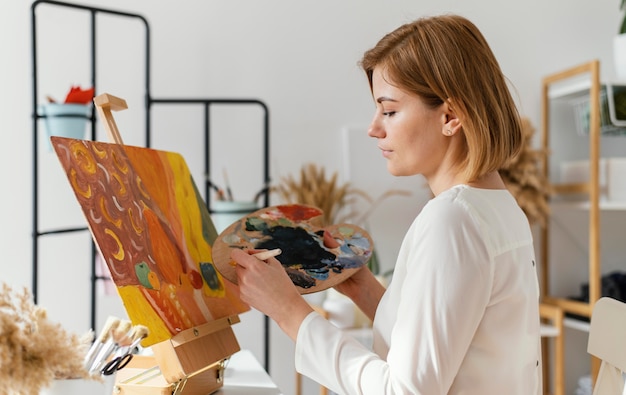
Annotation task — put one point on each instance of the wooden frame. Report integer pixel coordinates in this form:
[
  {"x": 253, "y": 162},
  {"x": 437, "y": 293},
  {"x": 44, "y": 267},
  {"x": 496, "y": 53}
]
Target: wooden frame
[
  {"x": 591, "y": 188},
  {"x": 553, "y": 317}
]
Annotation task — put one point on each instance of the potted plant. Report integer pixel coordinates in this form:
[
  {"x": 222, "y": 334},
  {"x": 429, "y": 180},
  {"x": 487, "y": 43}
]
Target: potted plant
[
  {"x": 619, "y": 47},
  {"x": 68, "y": 118}
]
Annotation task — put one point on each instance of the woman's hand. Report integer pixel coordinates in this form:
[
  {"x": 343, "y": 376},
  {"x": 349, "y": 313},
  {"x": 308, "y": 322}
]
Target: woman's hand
[{"x": 266, "y": 286}]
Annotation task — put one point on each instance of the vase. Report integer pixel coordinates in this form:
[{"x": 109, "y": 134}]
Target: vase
[
  {"x": 619, "y": 56},
  {"x": 65, "y": 120},
  {"x": 226, "y": 212}
]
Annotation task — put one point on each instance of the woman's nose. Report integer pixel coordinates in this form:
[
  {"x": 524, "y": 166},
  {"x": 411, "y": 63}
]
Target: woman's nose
[{"x": 375, "y": 129}]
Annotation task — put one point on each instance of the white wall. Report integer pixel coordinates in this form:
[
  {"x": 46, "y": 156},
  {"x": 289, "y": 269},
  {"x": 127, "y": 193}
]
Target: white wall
[{"x": 298, "y": 57}]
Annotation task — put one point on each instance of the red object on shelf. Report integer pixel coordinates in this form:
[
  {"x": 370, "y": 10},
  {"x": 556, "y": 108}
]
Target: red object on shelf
[{"x": 78, "y": 95}]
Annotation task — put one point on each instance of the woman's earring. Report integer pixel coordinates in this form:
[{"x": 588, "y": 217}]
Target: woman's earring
[{"x": 448, "y": 132}]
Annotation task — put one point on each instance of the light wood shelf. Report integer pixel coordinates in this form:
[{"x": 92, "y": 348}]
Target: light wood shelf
[
  {"x": 579, "y": 81},
  {"x": 567, "y": 85}
]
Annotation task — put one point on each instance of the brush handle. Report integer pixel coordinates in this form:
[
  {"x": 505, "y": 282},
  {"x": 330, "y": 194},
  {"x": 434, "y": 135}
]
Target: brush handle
[
  {"x": 102, "y": 356},
  {"x": 263, "y": 255},
  {"x": 91, "y": 354}
]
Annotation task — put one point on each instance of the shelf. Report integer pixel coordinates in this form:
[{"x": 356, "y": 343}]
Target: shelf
[
  {"x": 205, "y": 103},
  {"x": 573, "y": 323},
  {"x": 546, "y": 330},
  {"x": 576, "y": 88},
  {"x": 604, "y": 205},
  {"x": 569, "y": 90},
  {"x": 577, "y": 93},
  {"x": 580, "y": 88}
]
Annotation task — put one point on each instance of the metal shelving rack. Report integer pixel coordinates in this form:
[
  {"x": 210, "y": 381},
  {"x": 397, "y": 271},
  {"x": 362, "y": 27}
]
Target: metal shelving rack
[{"x": 206, "y": 103}]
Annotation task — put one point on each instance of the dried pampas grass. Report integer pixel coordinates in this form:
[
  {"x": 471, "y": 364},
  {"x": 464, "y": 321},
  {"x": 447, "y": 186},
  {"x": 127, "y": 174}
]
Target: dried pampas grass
[
  {"x": 525, "y": 179},
  {"x": 33, "y": 350},
  {"x": 336, "y": 200},
  {"x": 315, "y": 189}
]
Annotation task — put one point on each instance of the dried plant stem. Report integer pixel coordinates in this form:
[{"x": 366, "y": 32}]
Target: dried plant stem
[
  {"x": 525, "y": 179},
  {"x": 33, "y": 350},
  {"x": 336, "y": 200}
]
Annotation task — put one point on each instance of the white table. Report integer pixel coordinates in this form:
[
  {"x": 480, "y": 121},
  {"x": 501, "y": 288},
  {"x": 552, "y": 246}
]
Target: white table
[{"x": 244, "y": 375}]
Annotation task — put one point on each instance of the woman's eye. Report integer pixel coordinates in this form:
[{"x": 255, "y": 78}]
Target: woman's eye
[{"x": 389, "y": 113}]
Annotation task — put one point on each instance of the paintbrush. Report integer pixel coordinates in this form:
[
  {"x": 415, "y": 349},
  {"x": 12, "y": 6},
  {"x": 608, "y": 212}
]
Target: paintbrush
[
  {"x": 117, "y": 335},
  {"x": 136, "y": 334},
  {"x": 110, "y": 324},
  {"x": 140, "y": 332},
  {"x": 229, "y": 192},
  {"x": 219, "y": 194},
  {"x": 264, "y": 255},
  {"x": 123, "y": 334}
]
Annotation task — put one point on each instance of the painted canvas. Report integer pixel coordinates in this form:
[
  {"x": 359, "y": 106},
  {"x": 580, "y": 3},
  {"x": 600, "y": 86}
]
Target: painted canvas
[
  {"x": 315, "y": 258},
  {"x": 154, "y": 232}
]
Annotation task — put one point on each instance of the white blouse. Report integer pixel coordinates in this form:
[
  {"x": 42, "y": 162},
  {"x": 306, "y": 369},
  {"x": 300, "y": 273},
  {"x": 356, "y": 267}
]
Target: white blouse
[{"x": 459, "y": 317}]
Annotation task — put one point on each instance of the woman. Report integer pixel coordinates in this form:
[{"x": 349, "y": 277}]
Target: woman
[{"x": 461, "y": 314}]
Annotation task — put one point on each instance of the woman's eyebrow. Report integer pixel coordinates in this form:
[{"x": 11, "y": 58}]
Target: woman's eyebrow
[{"x": 384, "y": 98}]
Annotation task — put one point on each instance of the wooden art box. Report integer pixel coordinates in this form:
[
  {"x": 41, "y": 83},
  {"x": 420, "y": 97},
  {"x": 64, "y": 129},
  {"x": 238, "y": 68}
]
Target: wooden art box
[{"x": 175, "y": 369}]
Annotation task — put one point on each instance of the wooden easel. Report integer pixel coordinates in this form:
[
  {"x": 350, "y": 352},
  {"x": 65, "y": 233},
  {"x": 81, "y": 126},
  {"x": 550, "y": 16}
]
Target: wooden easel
[{"x": 193, "y": 361}]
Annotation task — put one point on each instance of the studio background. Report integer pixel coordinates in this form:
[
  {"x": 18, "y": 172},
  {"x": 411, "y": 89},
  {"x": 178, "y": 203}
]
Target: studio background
[{"x": 298, "y": 57}]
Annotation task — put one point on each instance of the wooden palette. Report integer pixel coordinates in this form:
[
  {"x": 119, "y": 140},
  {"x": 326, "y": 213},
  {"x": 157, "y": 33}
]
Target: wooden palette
[{"x": 315, "y": 258}]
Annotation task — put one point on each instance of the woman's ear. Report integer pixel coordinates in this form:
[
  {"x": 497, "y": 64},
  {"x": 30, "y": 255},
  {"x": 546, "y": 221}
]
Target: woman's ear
[{"x": 452, "y": 124}]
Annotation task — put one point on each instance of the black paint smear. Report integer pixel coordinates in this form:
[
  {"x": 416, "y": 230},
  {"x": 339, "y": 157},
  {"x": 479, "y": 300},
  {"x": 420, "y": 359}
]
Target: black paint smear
[
  {"x": 299, "y": 248},
  {"x": 300, "y": 279}
]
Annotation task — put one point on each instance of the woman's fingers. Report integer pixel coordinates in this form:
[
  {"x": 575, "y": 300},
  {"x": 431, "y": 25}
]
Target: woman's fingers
[
  {"x": 243, "y": 258},
  {"x": 238, "y": 255}
]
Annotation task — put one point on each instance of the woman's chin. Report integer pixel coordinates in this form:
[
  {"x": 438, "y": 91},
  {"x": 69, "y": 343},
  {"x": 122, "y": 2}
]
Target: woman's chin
[{"x": 394, "y": 171}]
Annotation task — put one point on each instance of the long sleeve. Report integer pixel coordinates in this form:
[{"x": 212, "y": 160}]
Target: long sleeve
[{"x": 460, "y": 316}]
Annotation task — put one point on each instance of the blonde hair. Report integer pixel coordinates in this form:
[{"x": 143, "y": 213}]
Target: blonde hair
[{"x": 446, "y": 58}]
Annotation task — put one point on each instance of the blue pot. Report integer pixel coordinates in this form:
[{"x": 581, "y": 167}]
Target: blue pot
[{"x": 65, "y": 120}]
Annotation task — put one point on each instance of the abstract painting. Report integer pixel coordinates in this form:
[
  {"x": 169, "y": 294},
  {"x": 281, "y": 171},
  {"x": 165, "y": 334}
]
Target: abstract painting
[
  {"x": 154, "y": 232},
  {"x": 315, "y": 258}
]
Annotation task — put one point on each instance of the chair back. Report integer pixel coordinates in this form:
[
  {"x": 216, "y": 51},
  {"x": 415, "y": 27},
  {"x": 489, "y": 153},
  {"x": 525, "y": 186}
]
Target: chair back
[{"x": 607, "y": 342}]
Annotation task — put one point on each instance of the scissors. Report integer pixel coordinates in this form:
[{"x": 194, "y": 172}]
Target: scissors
[
  {"x": 117, "y": 363},
  {"x": 124, "y": 354}
]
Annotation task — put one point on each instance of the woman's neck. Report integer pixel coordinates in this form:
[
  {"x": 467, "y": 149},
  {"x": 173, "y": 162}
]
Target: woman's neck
[{"x": 490, "y": 180}]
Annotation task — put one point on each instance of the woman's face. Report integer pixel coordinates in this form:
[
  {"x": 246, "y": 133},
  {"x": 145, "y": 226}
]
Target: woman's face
[{"x": 410, "y": 134}]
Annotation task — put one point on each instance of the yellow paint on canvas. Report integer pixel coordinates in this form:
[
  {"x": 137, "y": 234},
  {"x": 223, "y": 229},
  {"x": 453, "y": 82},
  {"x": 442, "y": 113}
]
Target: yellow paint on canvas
[
  {"x": 191, "y": 222},
  {"x": 141, "y": 313}
]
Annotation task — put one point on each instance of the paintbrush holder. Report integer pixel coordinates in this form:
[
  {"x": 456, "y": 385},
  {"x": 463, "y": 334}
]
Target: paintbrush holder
[{"x": 227, "y": 212}]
